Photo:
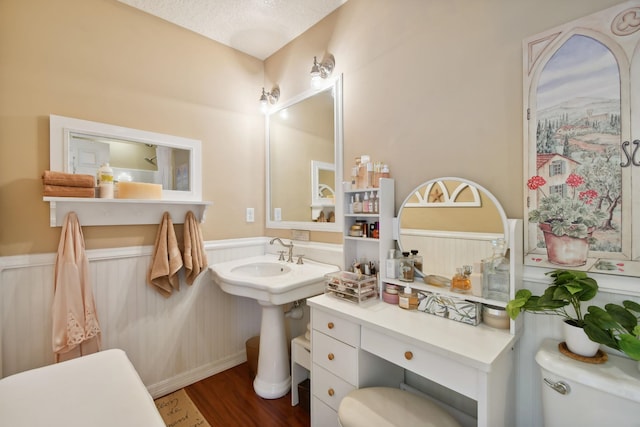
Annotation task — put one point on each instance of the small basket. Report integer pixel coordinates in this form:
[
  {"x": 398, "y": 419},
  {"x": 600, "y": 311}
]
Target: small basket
[{"x": 352, "y": 287}]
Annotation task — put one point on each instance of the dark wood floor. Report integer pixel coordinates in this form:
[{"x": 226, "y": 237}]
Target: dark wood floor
[{"x": 228, "y": 399}]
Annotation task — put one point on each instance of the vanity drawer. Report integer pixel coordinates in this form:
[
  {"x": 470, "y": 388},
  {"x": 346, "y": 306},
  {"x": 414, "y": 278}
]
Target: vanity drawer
[
  {"x": 452, "y": 374},
  {"x": 323, "y": 415},
  {"x": 335, "y": 356},
  {"x": 336, "y": 327},
  {"x": 328, "y": 387}
]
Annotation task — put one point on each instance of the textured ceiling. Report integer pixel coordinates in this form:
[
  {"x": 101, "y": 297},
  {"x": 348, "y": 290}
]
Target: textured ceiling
[{"x": 256, "y": 27}]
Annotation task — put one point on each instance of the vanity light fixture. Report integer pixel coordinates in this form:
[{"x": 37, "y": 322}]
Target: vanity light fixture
[
  {"x": 322, "y": 70},
  {"x": 269, "y": 98}
]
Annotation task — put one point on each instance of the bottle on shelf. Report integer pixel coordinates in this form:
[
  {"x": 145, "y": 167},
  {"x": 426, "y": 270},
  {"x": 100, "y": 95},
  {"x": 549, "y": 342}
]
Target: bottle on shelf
[
  {"x": 357, "y": 205},
  {"x": 417, "y": 259},
  {"x": 365, "y": 203},
  {"x": 495, "y": 273},
  {"x": 105, "y": 181},
  {"x": 461, "y": 282},
  {"x": 406, "y": 268}
]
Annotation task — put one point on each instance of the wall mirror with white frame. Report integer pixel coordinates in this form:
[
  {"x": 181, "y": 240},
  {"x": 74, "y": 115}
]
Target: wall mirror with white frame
[
  {"x": 82, "y": 146},
  {"x": 304, "y": 150}
]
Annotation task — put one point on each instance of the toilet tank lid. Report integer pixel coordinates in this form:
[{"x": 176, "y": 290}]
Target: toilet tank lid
[{"x": 618, "y": 376}]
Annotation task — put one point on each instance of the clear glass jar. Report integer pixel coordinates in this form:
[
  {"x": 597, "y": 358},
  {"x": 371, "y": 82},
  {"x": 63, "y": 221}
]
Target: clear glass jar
[{"x": 495, "y": 273}]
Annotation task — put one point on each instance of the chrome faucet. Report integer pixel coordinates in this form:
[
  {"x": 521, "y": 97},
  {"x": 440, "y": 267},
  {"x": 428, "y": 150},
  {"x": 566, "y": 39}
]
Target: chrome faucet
[{"x": 289, "y": 247}]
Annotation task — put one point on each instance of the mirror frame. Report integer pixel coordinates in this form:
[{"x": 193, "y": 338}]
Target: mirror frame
[
  {"x": 480, "y": 188},
  {"x": 335, "y": 85},
  {"x": 61, "y": 127}
]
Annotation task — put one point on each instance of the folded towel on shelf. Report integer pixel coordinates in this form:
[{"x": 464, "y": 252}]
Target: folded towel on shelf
[
  {"x": 62, "y": 191},
  {"x": 68, "y": 179},
  {"x": 166, "y": 260},
  {"x": 76, "y": 331},
  {"x": 195, "y": 258}
]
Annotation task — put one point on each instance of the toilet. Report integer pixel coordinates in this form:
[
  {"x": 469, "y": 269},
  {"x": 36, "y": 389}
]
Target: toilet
[
  {"x": 386, "y": 406},
  {"x": 576, "y": 393}
]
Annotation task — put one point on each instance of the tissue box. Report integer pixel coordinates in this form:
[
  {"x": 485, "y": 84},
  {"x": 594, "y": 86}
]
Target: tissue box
[{"x": 450, "y": 307}]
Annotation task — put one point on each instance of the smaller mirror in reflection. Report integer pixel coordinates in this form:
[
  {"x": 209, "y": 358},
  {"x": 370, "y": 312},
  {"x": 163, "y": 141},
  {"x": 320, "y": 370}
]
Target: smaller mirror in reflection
[
  {"x": 131, "y": 161},
  {"x": 451, "y": 222}
]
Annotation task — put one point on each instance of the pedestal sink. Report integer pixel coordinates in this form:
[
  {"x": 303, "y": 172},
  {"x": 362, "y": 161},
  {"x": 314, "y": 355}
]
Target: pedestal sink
[{"x": 272, "y": 283}]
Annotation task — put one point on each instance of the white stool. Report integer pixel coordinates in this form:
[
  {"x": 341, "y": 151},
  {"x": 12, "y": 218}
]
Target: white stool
[
  {"x": 300, "y": 365},
  {"x": 385, "y": 406}
]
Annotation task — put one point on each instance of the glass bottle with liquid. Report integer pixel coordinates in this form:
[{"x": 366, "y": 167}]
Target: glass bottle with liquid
[
  {"x": 408, "y": 299},
  {"x": 495, "y": 273},
  {"x": 406, "y": 268},
  {"x": 461, "y": 281},
  {"x": 417, "y": 259}
]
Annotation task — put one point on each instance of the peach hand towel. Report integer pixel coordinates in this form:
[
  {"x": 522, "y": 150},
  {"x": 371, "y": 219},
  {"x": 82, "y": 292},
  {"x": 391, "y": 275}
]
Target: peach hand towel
[
  {"x": 76, "y": 330},
  {"x": 195, "y": 258},
  {"x": 166, "y": 260},
  {"x": 62, "y": 191},
  {"x": 68, "y": 179}
]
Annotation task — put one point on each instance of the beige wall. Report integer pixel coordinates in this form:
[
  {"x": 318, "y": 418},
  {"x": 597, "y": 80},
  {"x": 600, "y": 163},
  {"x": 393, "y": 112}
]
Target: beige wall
[
  {"x": 104, "y": 61},
  {"x": 431, "y": 87}
]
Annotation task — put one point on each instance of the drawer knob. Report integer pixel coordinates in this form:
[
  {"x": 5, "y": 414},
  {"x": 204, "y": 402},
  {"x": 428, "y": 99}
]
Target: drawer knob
[
  {"x": 330, "y": 356},
  {"x": 408, "y": 355},
  {"x": 331, "y": 392},
  {"x": 330, "y": 325}
]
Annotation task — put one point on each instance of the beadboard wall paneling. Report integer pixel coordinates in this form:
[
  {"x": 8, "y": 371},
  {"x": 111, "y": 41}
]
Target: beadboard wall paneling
[{"x": 172, "y": 342}]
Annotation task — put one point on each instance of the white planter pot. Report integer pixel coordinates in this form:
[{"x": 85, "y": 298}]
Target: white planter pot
[{"x": 578, "y": 342}]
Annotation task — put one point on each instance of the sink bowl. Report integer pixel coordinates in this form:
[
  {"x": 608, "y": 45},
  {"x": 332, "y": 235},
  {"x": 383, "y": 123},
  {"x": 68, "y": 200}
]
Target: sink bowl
[
  {"x": 266, "y": 279},
  {"x": 261, "y": 269},
  {"x": 272, "y": 283}
]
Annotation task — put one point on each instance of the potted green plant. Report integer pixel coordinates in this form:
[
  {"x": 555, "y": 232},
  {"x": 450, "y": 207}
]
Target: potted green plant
[
  {"x": 567, "y": 222},
  {"x": 569, "y": 288},
  {"x": 615, "y": 326}
]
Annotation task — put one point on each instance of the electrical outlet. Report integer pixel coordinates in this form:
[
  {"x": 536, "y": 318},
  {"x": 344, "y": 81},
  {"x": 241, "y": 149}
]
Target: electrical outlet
[
  {"x": 301, "y": 235},
  {"x": 251, "y": 215},
  {"x": 277, "y": 214}
]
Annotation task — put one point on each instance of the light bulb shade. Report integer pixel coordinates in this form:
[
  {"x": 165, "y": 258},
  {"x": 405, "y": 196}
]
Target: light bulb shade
[{"x": 322, "y": 70}]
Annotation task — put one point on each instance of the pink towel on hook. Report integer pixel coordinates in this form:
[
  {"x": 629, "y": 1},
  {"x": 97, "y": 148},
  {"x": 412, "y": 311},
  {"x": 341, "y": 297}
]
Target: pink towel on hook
[
  {"x": 166, "y": 261},
  {"x": 195, "y": 258},
  {"x": 76, "y": 330}
]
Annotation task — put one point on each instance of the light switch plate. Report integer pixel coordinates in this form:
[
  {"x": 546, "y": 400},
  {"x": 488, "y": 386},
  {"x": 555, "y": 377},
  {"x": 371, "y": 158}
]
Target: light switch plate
[
  {"x": 251, "y": 215},
  {"x": 277, "y": 214}
]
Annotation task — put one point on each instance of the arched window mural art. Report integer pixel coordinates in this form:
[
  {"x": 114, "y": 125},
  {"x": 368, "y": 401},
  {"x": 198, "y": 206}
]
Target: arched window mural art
[{"x": 579, "y": 162}]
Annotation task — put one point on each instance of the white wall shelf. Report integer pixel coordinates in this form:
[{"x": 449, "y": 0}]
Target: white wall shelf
[{"x": 94, "y": 211}]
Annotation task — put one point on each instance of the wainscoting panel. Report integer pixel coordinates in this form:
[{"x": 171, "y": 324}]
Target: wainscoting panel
[{"x": 172, "y": 342}]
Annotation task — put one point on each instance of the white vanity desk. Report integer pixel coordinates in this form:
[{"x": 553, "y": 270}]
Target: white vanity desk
[{"x": 475, "y": 361}]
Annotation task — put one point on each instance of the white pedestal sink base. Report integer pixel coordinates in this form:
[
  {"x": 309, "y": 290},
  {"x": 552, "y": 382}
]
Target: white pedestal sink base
[{"x": 272, "y": 380}]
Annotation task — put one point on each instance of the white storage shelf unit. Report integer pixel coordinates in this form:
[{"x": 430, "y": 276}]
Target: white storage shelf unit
[{"x": 368, "y": 248}]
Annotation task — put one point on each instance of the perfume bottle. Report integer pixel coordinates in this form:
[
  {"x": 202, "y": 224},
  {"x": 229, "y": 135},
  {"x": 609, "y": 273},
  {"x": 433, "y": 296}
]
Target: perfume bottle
[
  {"x": 406, "y": 268},
  {"x": 417, "y": 259},
  {"x": 461, "y": 281},
  {"x": 408, "y": 299},
  {"x": 495, "y": 273}
]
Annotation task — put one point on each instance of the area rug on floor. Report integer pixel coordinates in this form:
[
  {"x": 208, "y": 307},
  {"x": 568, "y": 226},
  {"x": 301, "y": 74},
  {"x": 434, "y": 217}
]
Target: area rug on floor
[{"x": 178, "y": 410}]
